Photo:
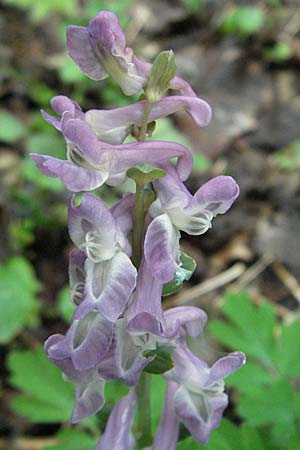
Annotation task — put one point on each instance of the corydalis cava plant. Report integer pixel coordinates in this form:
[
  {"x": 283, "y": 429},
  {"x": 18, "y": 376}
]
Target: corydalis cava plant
[{"x": 128, "y": 256}]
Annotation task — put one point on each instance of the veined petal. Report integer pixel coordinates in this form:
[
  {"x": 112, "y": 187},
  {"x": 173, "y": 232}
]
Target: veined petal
[
  {"x": 85, "y": 142},
  {"x": 119, "y": 158},
  {"x": 171, "y": 191},
  {"x": 91, "y": 340},
  {"x": 76, "y": 275},
  {"x": 167, "y": 433},
  {"x": 75, "y": 178},
  {"x": 92, "y": 228},
  {"x": 54, "y": 121},
  {"x": 122, "y": 213},
  {"x": 225, "y": 366},
  {"x": 118, "y": 434},
  {"x": 114, "y": 125},
  {"x": 192, "y": 318},
  {"x": 110, "y": 284},
  {"x": 198, "y": 413},
  {"x": 80, "y": 50},
  {"x": 124, "y": 360},
  {"x": 109, "y": 45},
  {"x": 89, "y": 399},
  {"x": 191, "y": 220},
  {"x": 161, "y": 248},
  {"x": 217, "y": 195}
]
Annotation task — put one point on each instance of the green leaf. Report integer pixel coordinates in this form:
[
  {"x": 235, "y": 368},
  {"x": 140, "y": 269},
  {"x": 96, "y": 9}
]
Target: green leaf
[
  {"x": 275, "y": 405},
  {"x": 249, "y": 377},
  {"x": 183, "y": 272},
  {"x": 251, "y": 329},
  {"x": 158, "y": 390},
  {"x": 65, "y": 308},
  {"x": 11, "y": 128},
  {"x": 287, "y": 355},
  {"x": 18, "y": 303},
  {"x": 230, "y": 437},
  {"x": 71, "y": 439},
  {"x": 163, "y": 359},
  {"x": 279, "y": 53},
  {"x": 46, "y": 397},
  {"x": 288, "y": 158},
  {"x": 243, "y": 20}
]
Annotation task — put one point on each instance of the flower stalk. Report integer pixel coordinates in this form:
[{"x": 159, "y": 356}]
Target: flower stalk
[{"x": 144, "y": 437}]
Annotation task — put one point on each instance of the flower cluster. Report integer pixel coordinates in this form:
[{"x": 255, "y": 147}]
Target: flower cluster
[{"x": 119, "y": 329}]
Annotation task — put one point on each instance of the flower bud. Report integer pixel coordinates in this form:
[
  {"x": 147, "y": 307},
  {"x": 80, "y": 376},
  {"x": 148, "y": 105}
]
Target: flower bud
[{"x": 163, "y": 71}]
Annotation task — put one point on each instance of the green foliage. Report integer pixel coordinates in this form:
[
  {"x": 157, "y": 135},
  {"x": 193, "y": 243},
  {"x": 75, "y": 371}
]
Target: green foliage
[
  {"x": 11, "y": 128},
  {"x": 279, "y": 52},
  {"x": 71, "y": 439},
  {"x": 183, "y": 272},
  {"x": 272, "y": 373},
  {"x": 65, "y": 308},
  {"x": 243, "y": 20},
  {"x": 163, "y": 360},
  {"x": 194, "y": 5},
  {"x": 18, "y": 303},
  {"x": 41, "y": 10},
  {"x": 230, "y": 437},
  {"x": 166, "y": 131},
  {"x": 46, "y": 397},
  {"x": 158, "y": 390},
  {"x": 288, "y": 158}
]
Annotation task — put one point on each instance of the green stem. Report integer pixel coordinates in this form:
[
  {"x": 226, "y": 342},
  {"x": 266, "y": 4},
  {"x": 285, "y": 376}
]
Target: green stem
[
  {"x": 138, "y": 226},
  {"x": 144, "y": 437},
  {"x": 143, "y": 129}
]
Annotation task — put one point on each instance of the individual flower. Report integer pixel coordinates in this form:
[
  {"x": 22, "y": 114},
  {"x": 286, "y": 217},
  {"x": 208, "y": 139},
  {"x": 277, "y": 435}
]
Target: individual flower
[
  {"x": 175, "y": 210},
  {"x": 115, "y": 125},
  {"x": 118, "y": 434},
  {"x": 89, "y": 391},
  {"x": 200, "y": 400},
  {"x": 90, "y": 162},
  {"x": 109, "y": 273},
  {"x": 100, "y": 50},
  {"x": 145, "y": 327}
]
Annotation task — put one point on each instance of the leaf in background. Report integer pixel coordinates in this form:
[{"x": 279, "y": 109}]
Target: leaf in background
[
  {"x": 251, "y": 329},
  {"x": 46, "y": 397},
  {"x": 18, "y": 303},
  {"x": 244, "y": 20},
  {"x": 230, "y": 437},
  {"x": 279, "y": 52},
  {"x": 269, "y": 405},
  {"x": 288, "y": 158},
  {"x": 287, "y": 355},
  {"x": 158, "y": 391},
  {"x": 11, "y": 128},
  {"x": 73, "y": 439},
  {"x": 65, "y": 308},
  {"x": 240, "y": 379},
  {"x": 166, "y": 131}
]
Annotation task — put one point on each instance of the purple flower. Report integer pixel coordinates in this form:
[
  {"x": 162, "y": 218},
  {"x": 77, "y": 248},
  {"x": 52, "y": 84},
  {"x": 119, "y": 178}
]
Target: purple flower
[
  {"x": 91, "y": 162},
  {"x": 100, "y": 50},
  {"x": 115, "y": 125},
  {"x": 89, "y": 392},
  {"x": 109, "y": 273},
  {"x": 200, "y": 400},
  {"x": 166, "y": 435},
  {"x": 176, "y": 209},
  {"x": 118, "y": 435}
]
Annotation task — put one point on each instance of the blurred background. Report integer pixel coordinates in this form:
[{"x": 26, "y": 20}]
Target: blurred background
[{"x": 243, "y": 57}]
